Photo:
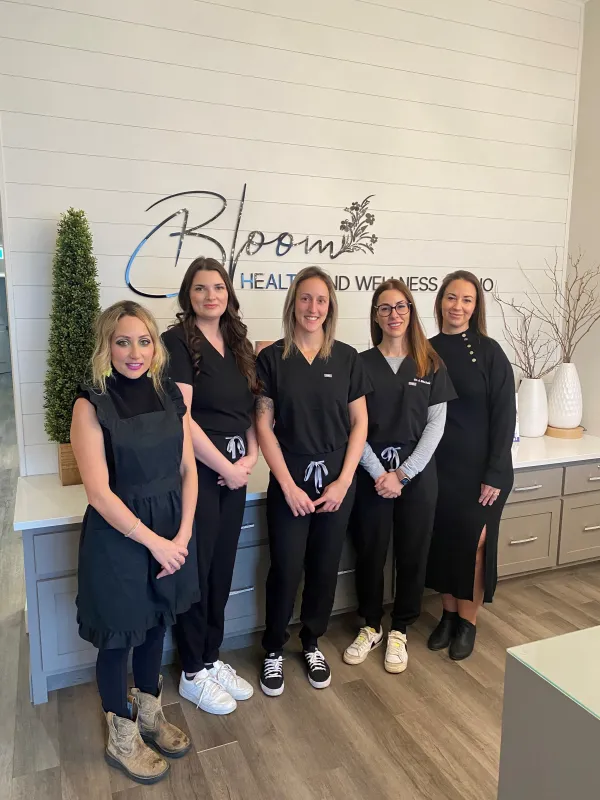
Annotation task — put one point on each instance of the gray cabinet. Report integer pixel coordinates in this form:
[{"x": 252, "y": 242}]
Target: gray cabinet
[
  {"x": 534, "y": 484},
  {"x": 62, "y": 647},
  {"x": 528, "y": 538},
  {"x": 580, "y": 533}
]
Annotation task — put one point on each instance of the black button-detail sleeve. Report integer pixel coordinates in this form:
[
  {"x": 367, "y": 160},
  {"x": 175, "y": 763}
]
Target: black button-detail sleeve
[
  {"x": 181, "y": 367},
  {"x": 442, "y": 390},
  {"x": 502, "y": 417},
  {"x": 360, "y": 383}
]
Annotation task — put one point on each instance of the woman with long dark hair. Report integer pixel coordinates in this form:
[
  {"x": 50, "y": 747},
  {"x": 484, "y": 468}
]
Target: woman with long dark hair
[
  {"x": 312, "y": 426},
  {"x": 474, "y": 463},
  {"x": 396, "y": 483},
  {"x": 137, "y": 558},
  {"x": 213, "y": 364}
]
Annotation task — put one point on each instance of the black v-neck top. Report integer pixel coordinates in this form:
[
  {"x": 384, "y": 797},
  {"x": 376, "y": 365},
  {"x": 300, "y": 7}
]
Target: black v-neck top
[
  {"x": 222, "y": 402},
  {"x": 311, "y": 400},
  {"x": 399, "y": 402}
]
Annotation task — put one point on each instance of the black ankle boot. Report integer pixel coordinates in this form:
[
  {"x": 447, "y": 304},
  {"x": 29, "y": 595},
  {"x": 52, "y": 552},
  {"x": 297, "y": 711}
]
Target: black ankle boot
[
  {"x": 463, "y": 641},
  {"x": 442, "y": 635}
]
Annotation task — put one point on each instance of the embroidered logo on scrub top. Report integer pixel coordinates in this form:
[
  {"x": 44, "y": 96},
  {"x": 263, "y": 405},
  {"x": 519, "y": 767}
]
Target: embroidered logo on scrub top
[
  {"x": 420, "y": 380},
  {"x": 412, "y": 383},
  {"x": 327, "y": 375}
]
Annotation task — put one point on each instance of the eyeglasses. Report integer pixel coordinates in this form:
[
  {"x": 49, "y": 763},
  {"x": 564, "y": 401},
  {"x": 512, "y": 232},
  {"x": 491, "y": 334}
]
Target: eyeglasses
[{"x": 401, "y": 308}]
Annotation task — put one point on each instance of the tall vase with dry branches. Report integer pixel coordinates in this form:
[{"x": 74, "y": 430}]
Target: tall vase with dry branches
[{"x": 574, "y": 310}]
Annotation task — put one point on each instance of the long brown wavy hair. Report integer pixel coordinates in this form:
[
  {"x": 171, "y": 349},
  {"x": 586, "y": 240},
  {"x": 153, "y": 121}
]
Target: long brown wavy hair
[
  {"x": 289, "y": 314},
  {"x": 417, "y": 342},
  {"x": 235, "y": 333},
  {"x": 477, "y": 321}
]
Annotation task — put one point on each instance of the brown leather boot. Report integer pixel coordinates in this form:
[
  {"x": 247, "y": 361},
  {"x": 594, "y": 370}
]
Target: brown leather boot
[
  {"x": 155, "y": 729},
  {"x": 126, "y": 751}
]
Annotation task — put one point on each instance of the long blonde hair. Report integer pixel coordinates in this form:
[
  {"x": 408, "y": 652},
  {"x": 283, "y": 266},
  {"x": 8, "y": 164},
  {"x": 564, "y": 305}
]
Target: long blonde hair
[
  {"x": 106, "y": 324},
  {"x": 289, "y": 315}
]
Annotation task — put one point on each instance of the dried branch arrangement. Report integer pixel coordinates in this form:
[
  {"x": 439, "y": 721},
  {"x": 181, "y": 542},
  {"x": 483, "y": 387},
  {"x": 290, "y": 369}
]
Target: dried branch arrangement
[{"x": 542, "y": 333}]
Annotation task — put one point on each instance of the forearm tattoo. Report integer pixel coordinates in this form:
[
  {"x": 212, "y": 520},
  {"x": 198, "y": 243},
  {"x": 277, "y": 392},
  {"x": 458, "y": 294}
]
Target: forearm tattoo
[{"x": 264, "y": 405}]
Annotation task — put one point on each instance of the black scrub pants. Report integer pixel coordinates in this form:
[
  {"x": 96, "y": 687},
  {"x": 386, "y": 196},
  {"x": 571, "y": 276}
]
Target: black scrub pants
[
  {"x": 219, "y": 514},
  {"x": 313, "y": 542},
  {"x": 410, "y": 518}
]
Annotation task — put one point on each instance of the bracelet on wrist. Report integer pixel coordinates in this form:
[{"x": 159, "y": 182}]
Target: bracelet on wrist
[{"x": 134, "y": 529}]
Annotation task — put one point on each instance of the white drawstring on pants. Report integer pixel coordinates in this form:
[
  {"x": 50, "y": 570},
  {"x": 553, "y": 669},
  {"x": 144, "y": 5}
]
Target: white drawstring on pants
[
  {"x": 235, "y": 443},
  {"x": 391, "y": 455},
  {"x": 319, "y": 469}
]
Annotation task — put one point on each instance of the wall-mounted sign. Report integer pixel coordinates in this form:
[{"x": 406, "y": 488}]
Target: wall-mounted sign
[{"x": 356, "y": 237}]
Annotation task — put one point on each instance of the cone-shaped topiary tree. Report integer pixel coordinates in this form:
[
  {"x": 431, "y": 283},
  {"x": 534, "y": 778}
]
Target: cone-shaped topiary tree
[{"x": 75, "y": 306}]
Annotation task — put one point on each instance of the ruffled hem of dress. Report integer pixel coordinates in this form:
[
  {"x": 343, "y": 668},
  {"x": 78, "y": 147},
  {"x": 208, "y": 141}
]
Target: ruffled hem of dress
[{"x": 113, "y": 640}]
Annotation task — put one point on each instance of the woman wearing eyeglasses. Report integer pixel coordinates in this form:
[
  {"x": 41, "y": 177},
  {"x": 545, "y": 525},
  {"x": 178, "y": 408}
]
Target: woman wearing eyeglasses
[{"x": 396, "y": 481}]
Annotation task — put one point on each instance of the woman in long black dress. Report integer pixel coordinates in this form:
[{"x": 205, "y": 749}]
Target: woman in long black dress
[
  {"x": 131, "y": 439},
  {"x": 213, "y": 363},
  {"x": 474, "y": 463}
]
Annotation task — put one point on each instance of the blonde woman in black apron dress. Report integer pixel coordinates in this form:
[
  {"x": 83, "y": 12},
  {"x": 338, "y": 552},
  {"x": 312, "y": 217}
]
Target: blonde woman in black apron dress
[{"x": 137, "y": 564}]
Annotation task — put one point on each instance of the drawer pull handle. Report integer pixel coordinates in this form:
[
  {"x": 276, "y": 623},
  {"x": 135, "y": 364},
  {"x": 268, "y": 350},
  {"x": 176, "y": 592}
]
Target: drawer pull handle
[
  {"x": 247, "y": 526},
  {"x": 241, "y": 591},
  {"x": 528, "y": 488},
  {"x": 524, "y": 541},
  {"x": 346, "y": 571},
  {"x": 592, "y": 528},
  {"x": 597, "y": 478}
]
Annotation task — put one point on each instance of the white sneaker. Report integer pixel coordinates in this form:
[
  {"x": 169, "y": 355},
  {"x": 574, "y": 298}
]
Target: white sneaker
[
  {"x": 206, "y": 693},
  {"x": 228, "y": 679},
  {"x": 396, "y": 655},
  {"x": 368, "y": 639}
]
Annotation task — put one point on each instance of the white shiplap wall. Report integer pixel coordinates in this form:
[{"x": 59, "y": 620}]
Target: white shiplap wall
[{"x": 457, "y": 115}]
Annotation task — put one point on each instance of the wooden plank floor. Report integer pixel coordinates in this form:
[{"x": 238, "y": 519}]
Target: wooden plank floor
[{"x": 430, "y": 734}]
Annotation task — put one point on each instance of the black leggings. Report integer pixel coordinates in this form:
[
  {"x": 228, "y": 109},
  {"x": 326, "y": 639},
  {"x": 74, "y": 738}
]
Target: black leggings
[{"x": 111, "y": 671}]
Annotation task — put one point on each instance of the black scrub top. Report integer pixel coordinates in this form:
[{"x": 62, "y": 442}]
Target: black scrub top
[
  {"x": 399, "y": 402},
  {"x": 222, "y": 402},
  {"x": 311, "y": 400}
]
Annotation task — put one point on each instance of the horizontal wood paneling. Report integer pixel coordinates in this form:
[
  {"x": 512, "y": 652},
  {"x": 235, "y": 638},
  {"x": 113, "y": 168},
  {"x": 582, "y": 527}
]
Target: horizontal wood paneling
[{"x": 457, "y": 118}]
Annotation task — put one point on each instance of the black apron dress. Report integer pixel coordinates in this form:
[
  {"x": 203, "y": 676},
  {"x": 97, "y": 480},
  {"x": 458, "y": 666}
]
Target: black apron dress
[
  {"x": 119, "y": 596},
  {"x": 398, "y": 408},
  {"x": 475, "y": 449}
]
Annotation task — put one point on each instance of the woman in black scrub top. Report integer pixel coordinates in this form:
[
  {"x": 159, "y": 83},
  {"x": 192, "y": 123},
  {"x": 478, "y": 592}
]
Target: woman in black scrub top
[
  {"x": 396, "y": 482},
  {"x": 137, "y": 559},
  {"x": 213, "y": 363},
  {"x": 474, "y": 463},
  {"x": 312, "y": 427}
]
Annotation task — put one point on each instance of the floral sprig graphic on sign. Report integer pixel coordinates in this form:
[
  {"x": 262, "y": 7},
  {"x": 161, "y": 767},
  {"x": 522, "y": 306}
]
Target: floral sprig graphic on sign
[{"x": 356, "y": 236}]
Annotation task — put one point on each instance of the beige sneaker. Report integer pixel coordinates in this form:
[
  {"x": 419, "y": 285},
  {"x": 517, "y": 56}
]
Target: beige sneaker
[
  {"x": 126, "y": 751},
  {"x": 368, "y": 639},
  {"x": 155, "y": 729},
  {"x": 396, "y": 655}
]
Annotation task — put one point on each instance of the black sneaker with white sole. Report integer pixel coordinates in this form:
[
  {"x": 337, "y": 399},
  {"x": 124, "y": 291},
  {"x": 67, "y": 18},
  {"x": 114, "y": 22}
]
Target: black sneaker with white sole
[
  {"x": 271, "y": 677},
  {"x": 319, "y": 674}
]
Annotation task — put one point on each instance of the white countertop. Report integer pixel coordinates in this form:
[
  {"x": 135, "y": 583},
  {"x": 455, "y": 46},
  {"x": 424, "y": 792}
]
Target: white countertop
[
  {"x": 43, "y": 502},
  {"x": 569, "y": 663}
]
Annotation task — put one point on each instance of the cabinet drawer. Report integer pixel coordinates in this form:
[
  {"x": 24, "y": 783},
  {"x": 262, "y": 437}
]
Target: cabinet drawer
[
  {"x": 532, "y": 484},
  {"x": 583, "y": 478},
  {"x": 580, "y": 534},
  {"x": 62, "y": 648},
  {"x": 254, "y": 525},
  {"x": 56, "y": 552},
  {"x": 528, "y": 538},
  {"x": 247, "y": 595}
]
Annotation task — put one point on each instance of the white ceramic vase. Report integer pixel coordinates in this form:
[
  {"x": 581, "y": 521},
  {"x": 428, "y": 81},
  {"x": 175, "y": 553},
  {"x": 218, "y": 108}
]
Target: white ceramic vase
[
  {"x": 533, "y": 408},
  {"x": 565, "y": 404}
]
